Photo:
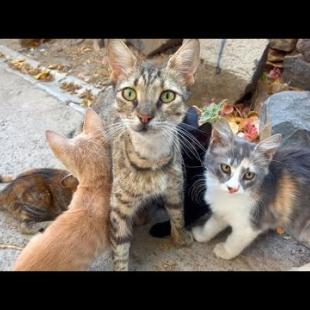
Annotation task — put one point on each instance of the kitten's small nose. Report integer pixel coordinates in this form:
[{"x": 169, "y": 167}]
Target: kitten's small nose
[
  {"x": 144, "y": 118},
  {"x": 232, "y": 189}
]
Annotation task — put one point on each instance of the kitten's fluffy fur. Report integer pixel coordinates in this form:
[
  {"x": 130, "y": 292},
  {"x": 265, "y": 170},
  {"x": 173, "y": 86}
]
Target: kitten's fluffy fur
[
  {"x": 77, "y": 236},
  {"x": 38, "y": 196},
  {"x": 254, "y": 188},
  {"x": 145, "y": 149}
]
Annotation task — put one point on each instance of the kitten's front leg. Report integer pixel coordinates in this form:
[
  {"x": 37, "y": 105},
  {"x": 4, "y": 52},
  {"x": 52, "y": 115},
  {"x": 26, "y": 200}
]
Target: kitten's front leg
[
  {"x": 237, "y": 241},
  {"x": 121, "y": 215},
  {"x": 209, "y": 230}
]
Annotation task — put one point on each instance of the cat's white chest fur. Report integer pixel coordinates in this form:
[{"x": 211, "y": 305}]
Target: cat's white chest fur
[{"x": 234, "y": 208}]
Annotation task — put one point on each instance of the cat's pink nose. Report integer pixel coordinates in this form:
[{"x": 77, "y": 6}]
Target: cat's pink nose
[
  {"x": 144, "y": 118},
  {"x": 233, "y": 189}
]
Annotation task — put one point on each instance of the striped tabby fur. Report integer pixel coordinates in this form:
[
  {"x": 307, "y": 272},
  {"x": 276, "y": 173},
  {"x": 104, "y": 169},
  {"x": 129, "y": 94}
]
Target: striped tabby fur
[{"x": 145, "y": 148}]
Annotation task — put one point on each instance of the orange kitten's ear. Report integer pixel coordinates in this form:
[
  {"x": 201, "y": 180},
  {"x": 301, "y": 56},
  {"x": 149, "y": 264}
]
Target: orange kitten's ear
[
  {"x": 58, "y": 144},
  {"x": 269, "y": 146},
  {"x": 120, "y": 58},
  {"x": 69, "y": 181},
  {"x": 92, "y": 122},
  {"x": 185, "y": 61}
]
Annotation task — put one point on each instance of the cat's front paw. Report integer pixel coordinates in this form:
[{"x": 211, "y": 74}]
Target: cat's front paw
[
  {"x": 182, "y": 238},
  {"x": 199, "y": 235},
  {"x": 221, "y": 252}
]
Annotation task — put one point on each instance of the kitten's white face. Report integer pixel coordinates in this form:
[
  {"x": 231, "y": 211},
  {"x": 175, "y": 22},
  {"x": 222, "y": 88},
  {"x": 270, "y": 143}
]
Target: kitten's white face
[
  {"x": 235, "y": 166},
  {"x": 232, "y": 179}
]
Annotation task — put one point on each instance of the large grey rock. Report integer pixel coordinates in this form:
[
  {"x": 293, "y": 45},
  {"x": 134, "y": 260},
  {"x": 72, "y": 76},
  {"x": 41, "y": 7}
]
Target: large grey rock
[
  {"x": 296, "y": 72},
  {"x": 289, "y": 114},
  {"x": 285, "y": 45},
  {"x": 239, "y": 68},
  {"x": 303, "y": 46},
  {"x": 149, "y": 47}
]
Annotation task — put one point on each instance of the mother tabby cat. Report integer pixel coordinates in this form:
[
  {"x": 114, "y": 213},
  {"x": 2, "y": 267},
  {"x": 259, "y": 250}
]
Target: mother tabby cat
[{"x": 148, "y": 104}]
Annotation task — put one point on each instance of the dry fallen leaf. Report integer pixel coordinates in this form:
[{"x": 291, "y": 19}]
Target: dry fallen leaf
[
  {"x": 59, "y": 67},
  {"x": 88, "y": 98},
  {"x": 70, "y": 87},
  {"x": 45, "y": 76}
]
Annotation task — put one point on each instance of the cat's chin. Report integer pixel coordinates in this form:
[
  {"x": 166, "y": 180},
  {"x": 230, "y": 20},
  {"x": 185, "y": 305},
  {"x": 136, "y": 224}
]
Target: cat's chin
[{"x": 144, "y": 131}]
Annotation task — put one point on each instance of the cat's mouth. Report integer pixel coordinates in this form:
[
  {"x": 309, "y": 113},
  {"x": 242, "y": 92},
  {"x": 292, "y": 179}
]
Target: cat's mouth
[{"x": 143, "y": 128}]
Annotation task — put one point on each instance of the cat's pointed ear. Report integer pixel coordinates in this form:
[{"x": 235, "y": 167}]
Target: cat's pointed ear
[
  {"x": 269, "y": 146},
  {"x": 58, "y": 144},
  {"x": 185, "y": 61},
  {"x": 120, "y": 58},
  {"x": 204, "y": 134},
  {"x": 92, "y": 122},
  {"x": 222, "y": 134},
  {"x": 69, "y": 181}
]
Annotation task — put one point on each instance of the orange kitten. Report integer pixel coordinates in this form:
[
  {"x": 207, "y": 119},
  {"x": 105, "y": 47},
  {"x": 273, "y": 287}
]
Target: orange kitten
[{"x": 73, "y": 241}]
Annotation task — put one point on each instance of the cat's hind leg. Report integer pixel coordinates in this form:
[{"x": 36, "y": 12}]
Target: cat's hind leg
[{"x": 209, "y": 230}]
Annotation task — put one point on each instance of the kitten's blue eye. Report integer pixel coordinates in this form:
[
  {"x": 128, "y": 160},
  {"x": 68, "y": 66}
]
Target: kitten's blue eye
[
  {"x": 167, "y": 96},
  {"x": 226, "y": 168},
  {"x": 249, "y": 176}
]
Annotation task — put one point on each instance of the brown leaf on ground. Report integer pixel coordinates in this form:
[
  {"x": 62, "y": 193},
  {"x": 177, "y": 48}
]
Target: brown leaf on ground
[
  {"x": 45, "y": 76},
  {"x": 59, "y": 67},
  {"x": 70, "y": 87},
  {"x": 88, "y": 98}
]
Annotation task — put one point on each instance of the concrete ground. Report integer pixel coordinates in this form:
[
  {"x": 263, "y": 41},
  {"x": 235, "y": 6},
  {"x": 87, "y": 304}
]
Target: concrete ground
[{"x": 26, "y": 112}]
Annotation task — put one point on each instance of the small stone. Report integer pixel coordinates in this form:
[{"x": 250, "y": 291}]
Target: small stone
[
  {"x": 303, "y": 46},
  {"x": 285, "y": 45},
  {"x": 296, "y": 72}
]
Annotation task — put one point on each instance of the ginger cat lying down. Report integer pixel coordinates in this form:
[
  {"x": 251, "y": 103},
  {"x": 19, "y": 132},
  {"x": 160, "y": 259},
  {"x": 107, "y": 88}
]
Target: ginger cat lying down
[{"x": 73, "y": 241}]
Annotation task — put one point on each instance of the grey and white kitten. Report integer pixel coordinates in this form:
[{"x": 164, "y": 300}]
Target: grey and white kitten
[{"x": 254, "y": 188}]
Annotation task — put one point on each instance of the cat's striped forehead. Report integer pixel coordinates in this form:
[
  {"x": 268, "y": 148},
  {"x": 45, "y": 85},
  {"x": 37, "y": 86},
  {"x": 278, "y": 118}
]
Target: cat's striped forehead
[{"x": 148, "y": 77}]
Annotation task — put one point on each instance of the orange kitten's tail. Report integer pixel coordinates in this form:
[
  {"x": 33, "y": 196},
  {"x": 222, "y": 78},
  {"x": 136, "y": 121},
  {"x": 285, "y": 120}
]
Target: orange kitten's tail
[{"x": 6, "y": 178}]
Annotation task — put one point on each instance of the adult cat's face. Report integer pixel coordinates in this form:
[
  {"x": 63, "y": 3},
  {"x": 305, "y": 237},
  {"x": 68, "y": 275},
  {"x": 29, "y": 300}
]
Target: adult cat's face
[
  {"x": 236, "y": 166},
  {"x": 148, "y": 98}
]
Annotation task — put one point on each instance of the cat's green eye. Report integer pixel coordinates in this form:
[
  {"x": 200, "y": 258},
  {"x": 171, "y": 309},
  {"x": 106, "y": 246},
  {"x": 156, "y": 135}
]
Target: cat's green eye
[
  {"x": 129, "y": 94},
  {"x": 249, "y": 176},
  {"x": 167, "y": 96},
  {"x": 225, "y": 168}
]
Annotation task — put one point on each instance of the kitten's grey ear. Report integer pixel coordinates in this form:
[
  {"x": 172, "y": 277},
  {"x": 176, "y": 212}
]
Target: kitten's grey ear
[
  {"x": 92, "y": 122},
  {"x": 269, "y": 146},
  {"x": 222, "y": 133},
  {"x": 185, "y": 61},
  {"x": 69, "y": 181},
  {"x": 120, "y": 58}
]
